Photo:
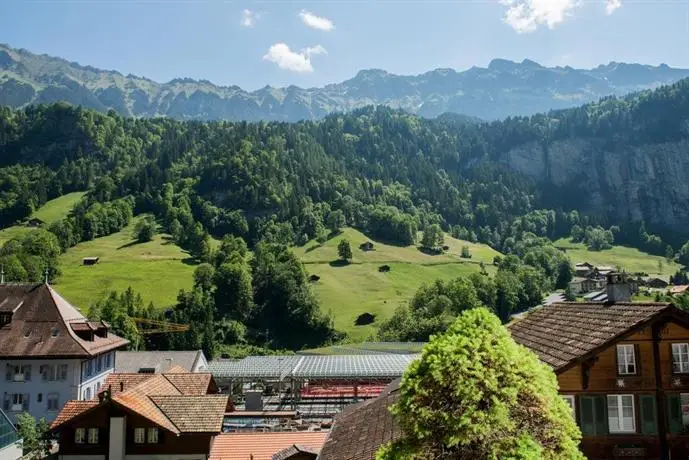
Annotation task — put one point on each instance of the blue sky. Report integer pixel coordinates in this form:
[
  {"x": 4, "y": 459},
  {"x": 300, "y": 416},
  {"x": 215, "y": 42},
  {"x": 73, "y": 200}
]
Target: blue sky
[{"x": 253, "y": 44}]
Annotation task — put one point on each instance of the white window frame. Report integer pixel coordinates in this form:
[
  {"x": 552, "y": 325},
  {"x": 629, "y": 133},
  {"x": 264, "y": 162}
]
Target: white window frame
[
  {"x": 152, "y": 436},
  {"x": 139, "y": 435},
  {"x": 17, "y": 402},
  {"x": 80, "y": 436},
  {"x": 680, "y": 358},
  {"x": 53, "y": 402},
  {"x": 571, "y": 402},
  {"x": 620, "y": 412},
  {"x": 626, "y": 359},
  {"x": 93, "y": 436}
]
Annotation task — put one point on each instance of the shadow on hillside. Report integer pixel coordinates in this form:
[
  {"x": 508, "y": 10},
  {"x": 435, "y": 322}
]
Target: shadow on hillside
[
  {"x": 339, "y": 263},
  {"x": 430, "y": 251},
  {"x": 129, "y": 245},
  {"x": 312, "y": 248},
  {"x": 190, "y": 261}
]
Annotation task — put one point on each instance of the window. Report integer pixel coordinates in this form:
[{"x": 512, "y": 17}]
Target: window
[
  {"x": 569, "y": 399},
  {"x": 62, "y": 372},
  {"x": 107, "y": 361},
  {"x": 678, "y": 408},
  {"x": 99, "y": 364},
  {"x": 93, "y": 436},
  {"x": 139, "y": 435},
  {"x": 87, "y": 394},
  {"x": 55, "y": 332},
  {"x": 89, "y": 369},
  {"x": 626, "y": 360},
  {"x": 80, "y": 436},
  {"x": 15, "y": 402},
  {"x": 53, "y": 401},
  {"x": 621, "y": 414},
  {"x": 48, "y": 372},
  {"x": 40, "y": 397},
  {"x": 18, "y": 373},
  {"x": 680, "y": 358},
  {"x": 153, "y": 435}
]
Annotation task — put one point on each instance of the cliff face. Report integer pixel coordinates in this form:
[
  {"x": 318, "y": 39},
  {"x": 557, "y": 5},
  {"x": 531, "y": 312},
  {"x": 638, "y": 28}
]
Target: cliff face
[{"x": 647, "y": 182}]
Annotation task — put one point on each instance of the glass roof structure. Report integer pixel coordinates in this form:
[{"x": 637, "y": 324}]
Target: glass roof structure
[
  {"x": 8, "y": 433},
  {"x": 381, "y": 366}
]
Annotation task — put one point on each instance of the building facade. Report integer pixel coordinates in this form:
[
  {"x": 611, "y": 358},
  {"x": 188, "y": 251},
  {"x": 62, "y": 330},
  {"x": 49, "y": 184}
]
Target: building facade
[
  {"x": 623, "y": 368},
  {"x": 170, "y": 416},
  {"x": 49, "y": 353}
]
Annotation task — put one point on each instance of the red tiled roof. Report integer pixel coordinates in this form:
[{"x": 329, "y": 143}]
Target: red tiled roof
[
  {"x": 43, "y": 325},
  {"x": 262, "y": 446},
  {"x": 117, "y": 383},
  {"x": 563, "y": 332},
  {"x": 73, "y": 409},
  {"x": 360, "y": 429},
  {"x": 197, "y": 383}
]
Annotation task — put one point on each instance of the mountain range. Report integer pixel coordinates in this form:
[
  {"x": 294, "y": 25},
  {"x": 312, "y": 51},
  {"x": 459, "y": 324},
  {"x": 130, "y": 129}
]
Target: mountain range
[{"x": 503, "y": 89}]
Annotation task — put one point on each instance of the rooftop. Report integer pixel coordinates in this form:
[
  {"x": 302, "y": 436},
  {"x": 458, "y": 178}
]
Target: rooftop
[
  {"x": 391, "y": 365},
  {"x": 360, "y": 430},
  {"x": 176, "y": 402},
  {"x": 8, "y": 433},
  {"x": 263, "y": 446},
  {"x": 43, "y": 324},
  {"x": 563, "y": 332},
  {"x": 158, "y": 361}
]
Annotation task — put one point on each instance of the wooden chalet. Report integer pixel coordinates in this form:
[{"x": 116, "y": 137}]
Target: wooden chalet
[
  {"x": 174, "y": 415},
  {"x": 622, "y": 367}
]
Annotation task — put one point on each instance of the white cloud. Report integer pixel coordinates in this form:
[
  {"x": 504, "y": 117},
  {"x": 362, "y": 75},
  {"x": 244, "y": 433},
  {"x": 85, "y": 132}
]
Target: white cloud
[
  {"x": 248, "y": 18},
  {"x": 526, "y": 16},
  {"x": 612, "y": 5},
  {"x": 287, "y": 59},
  {"x": 316, "y": 22}
]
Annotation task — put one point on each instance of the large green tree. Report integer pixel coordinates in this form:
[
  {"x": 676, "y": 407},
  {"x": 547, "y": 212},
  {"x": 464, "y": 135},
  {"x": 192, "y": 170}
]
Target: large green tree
[{"x": 476, "y": 394}]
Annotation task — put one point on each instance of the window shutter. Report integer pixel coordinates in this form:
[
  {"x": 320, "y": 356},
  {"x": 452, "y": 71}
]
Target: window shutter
[
  {"x": 9, "y": 373},
  {"x": 600, "y": 415},
  {"x": 25, "y": 402},
  {"x": 674, "y": 413},
  {"x": 637, "y": 359},
  {"x": 649, "y": 424},
  {"x": 27, "y": 372},
  {"x": 588, "y": 427},
  {"x": 6, "y": 402}
]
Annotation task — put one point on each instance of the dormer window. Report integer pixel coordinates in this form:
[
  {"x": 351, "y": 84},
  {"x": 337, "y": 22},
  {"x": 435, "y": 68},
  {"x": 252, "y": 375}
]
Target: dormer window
[
  {"x": 5, "y": 318},
  {"x": 55, "y": 332},
  {"x": 626, "y": 360},
  {"x": 27, "y": 333}
]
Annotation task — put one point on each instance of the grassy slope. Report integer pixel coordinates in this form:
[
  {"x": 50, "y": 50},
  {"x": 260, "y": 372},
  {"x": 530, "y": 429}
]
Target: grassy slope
[
  {"x": 348, "y": 291},
  {"x": 50, "y": 212},
  {"x": 157, "y": 269},
  {"x": 629, "y": 259}
]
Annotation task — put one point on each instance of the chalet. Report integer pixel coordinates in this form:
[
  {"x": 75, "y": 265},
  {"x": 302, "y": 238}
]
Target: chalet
[
  {"x": 49, "y": 352},
  {"x": 581, "y": 285},
  {"x": 622, "y": 367},
  {"x": 367, "y": 246},
  {"x": 170, "y": 415},
  {"x": 90, "y": 260},
  {"x": 583, "y": 269},
  {"x": 656, "y": 283},
  {"x": 34, "y": 222}
]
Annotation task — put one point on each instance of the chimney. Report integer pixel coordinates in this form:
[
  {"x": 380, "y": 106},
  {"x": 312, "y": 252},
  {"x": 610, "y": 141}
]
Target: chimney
[{"x": 618, "y": 288}]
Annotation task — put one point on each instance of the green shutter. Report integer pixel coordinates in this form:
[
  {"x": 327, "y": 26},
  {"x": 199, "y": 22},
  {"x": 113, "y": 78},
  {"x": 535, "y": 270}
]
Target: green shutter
[
  {"x": 674, "y": 413},
  {"x": 588, "y": 426},
  {"x": 649, "y": 423},
  {"x": 593, "y": 415},
  {"x": 601, "y": 415}
]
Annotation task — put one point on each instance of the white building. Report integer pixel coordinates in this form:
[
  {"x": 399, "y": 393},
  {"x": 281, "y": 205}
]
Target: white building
[{"x": 49, "y": 352}]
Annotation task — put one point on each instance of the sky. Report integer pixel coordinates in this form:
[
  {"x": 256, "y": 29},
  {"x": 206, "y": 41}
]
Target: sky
[{"x": 281, "y": 43}]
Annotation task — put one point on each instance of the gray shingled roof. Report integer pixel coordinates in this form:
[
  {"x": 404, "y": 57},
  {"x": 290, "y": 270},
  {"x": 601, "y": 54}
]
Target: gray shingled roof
[{"x": 161, "y": 361}]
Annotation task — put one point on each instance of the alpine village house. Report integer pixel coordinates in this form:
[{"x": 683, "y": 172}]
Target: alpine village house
[
  {"x": 623, "y": 368},
  {"x": 49, "y": 353}
]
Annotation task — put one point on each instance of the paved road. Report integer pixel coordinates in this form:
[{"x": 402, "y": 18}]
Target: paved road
[{"x": 554, "y": 297}]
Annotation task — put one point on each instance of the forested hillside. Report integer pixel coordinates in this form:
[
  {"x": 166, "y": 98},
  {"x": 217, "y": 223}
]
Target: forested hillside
[
  {"x": 610, "y": 170},
  {"x": 502, "y": 89}
]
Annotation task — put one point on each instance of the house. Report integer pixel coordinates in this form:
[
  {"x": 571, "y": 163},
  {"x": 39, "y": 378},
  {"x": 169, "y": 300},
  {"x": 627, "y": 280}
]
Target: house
[
  {"x": 583, "y": 269},
  {"x": 581, "y": 285},
  {"x": 281, "y": 445},
  {"x": 49, "y": 352},
  {"x": 10, "y": 444},
  {"x": 622, "y": 367},
  {"x": 367, "y": 246},
  {"x": 656, "y": 283},
  {"x": 360, "y": 429},
  {"x": 152, "y": 416},
  {"x": 155, "y": 362},
  {"x": 90, "y": 260},
  {"x": 34, "y": 222},
  {"x": 678, "y": 290}
]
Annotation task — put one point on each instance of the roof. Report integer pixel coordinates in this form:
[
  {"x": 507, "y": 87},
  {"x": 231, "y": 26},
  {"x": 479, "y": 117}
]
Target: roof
[
  {"x": 262, "y": 446},
  {"x": 678, "y": 289},
  {"x": 175, "y": 404},
  {"x": 160, "y": 361},
  {"x": 293, "y": 450},
  {"x": 44, "y": 325},
  {"x": 360, "y": 429},
  {"x": 563, "y": 332},
  {"x": 194, "y": 414},
  {"x": 374, "y": 365},
  {"x": 8, "y": 432}
]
